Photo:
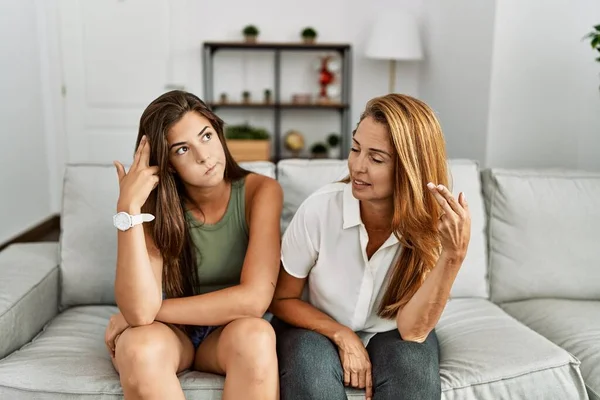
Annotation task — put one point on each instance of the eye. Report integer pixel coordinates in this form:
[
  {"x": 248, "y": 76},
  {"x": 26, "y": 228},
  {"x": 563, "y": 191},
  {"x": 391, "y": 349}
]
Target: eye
[
  {"x": 206, "y": 137},
  {"x": 355, "y": 150},
  {"x": 181, "y": 150},
  {"x": 375, "y": 160}
]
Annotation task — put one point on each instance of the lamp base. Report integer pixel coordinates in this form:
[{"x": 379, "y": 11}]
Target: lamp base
[{"x": 392, "y": 76}]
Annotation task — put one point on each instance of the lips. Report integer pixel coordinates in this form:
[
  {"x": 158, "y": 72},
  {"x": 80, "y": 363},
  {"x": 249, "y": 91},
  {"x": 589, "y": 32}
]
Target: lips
[
  {"x": 358, "y": 182},
  {"x": 211, "y": 169}
]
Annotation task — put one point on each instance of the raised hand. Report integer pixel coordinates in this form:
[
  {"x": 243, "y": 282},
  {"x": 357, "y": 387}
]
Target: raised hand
[
  {"x": 135, "y": 185},
  {"x": 454, "y": 225}
]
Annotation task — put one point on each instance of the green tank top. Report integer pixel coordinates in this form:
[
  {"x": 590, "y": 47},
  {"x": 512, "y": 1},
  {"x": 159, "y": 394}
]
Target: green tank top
[{"x": 221, "y": 247}]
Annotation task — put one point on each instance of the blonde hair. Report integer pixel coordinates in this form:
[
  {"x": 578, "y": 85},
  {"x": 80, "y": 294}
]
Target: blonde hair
[{"x": 418, "y": 141}]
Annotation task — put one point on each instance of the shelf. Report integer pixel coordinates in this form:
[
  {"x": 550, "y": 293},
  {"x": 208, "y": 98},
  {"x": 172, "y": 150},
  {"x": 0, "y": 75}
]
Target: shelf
[
  {"x": 277, "y": 46},
  {"x": 287, "y": 106}
]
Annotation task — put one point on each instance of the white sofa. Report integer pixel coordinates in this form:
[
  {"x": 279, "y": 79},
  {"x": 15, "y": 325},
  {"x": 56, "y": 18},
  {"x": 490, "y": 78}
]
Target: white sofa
[{"x": 523, "y": 321}]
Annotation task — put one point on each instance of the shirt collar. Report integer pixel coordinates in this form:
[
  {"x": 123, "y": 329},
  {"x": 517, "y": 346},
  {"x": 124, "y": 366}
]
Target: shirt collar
[{"x": 351, "y": 208}]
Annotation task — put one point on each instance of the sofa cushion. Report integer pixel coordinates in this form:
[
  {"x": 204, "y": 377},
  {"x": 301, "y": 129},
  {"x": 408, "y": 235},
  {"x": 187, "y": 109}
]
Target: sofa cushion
[
  {"x": 485, "y": 354},
  {"x": 69, "y": 360},
  {"x": 89, "y": 239},
  {"x": 574, "y": 325},
  {"x": 543, "y": 234},
  {"x": 28, "y": 292},
  {"x": 299, "y": 178}
]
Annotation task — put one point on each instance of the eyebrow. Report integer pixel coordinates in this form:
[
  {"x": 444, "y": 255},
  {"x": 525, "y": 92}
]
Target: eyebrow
[
  {"x": 375, "y": 150},
  {"x": 180, "y": 143}
]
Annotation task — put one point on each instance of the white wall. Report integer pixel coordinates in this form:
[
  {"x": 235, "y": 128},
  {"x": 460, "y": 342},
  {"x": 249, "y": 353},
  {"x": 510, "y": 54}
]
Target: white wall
[
  {"x": 455, "y": 76},
  {"x": 340, "y": 21},
  {"x": 24, "y": 177},
  {"x": 544, "y": 102}
]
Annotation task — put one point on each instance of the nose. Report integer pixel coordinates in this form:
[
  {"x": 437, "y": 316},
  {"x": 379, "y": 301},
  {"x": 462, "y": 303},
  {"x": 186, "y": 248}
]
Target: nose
[
  {"x": 360, "y": 163},
  {"x": 202, "y": 156}
]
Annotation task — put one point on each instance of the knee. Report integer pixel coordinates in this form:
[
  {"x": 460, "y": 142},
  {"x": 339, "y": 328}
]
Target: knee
[
  {"x": 309, "y": 355},
  {"x": 140, "y": 355},
  {"x": 413, "y": 368},
  {"x": 252, "y": 343}
]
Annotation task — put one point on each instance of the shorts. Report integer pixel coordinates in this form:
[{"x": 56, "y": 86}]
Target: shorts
[{"x": 199, "y": 333}]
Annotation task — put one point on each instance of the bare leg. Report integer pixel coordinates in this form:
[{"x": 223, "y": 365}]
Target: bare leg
[
  {"x": 148, "y": 359},
  {"x": 243, "y": 351}
]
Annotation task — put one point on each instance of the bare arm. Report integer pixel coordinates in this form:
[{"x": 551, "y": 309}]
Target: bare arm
[
  {"x": 139, "y": 265},
  {"x": 252, "y": 296},
  {"x": 422, "y": 312},
  {"x": 288, "y": 306}
]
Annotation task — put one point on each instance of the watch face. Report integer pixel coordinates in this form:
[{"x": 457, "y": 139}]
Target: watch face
[{"x": 122, "y": 221}]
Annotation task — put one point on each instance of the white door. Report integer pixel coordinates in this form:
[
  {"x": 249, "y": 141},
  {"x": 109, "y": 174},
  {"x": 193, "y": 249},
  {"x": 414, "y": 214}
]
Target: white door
[{"x": 117, "y": 56}]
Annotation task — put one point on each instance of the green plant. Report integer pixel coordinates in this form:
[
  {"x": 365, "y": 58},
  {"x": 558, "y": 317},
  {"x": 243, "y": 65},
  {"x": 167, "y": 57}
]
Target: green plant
[
  {"x": 333, "y": 140},
  {"x": 245, "y": 132},
  {"x": 267, "y": 92},
  {"x": 246, "y": 93},
  {"x": 250, "y": 30},
  {"x": 594, "y": 37},
  {"x": 318, "y": 148},
  {"x": 309, "y": 33}
]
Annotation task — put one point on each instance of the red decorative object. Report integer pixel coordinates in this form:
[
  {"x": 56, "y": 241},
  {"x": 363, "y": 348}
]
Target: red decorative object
[{"x": 326, "y": 77}]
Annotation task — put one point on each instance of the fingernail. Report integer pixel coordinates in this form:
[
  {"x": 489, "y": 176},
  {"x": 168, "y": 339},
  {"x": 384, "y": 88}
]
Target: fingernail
[
  {"x": 144, "y": 138},
  {"x": 440, "y": 187},
  {"x": 430, "y": 185}
]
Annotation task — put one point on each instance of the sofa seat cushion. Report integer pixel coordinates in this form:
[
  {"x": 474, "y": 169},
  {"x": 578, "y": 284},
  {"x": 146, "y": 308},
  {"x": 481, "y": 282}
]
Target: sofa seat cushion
[
  {"x": 574, "y": 325},
  {"x": 486, "y": 354},
  {"x": 68, "y": 360}
]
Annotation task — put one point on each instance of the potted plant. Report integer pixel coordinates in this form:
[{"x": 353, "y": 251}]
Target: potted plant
[
  {"x": 250, "y": 33},
  {"x": 223, "y": 98},
  {"x": 246, "y": 96},
  {"x": 248, "y": 143},
  {"x": 267, "y": 96},
  {"x": 594, "y": 38},
  {"x": 308, "y": 35},
  {"x": 319, "y": 150},
  {"x": 333, "y": 140}
]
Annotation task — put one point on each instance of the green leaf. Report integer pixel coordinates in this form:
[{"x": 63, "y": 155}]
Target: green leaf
[
  {"x": 597, "y": 27},
  {"x": 595, "y": 42},
  {"x": 598, "y": 59}
]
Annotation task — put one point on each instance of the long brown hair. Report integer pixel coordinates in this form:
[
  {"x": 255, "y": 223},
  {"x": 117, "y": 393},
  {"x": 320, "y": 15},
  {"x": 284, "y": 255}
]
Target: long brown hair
[
  {"x": 419, "y": 144},
  {"x": 167, "y": 202}
]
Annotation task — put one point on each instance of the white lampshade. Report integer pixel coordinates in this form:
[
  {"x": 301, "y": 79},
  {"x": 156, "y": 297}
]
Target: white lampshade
[{"x": 395, "y": 36}]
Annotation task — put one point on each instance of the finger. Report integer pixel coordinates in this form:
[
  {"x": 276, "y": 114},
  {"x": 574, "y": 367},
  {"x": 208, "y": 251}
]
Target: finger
[
  {"x": 145, "y": 156},
  {"x": 138, "y": 153},
  {"x": 440, "y": 199},
  {"x": 154, "y": 170},
  {"x": 369, "y": 385},
  {"x": 362, "y": 379},
  {"x": 462, "y": 200},
  {"x": 120, "y": 170},
  {"x": 346, "y": 377},
  {"x": 443, "y": 190},
  {"x": 354, "y": 379}
]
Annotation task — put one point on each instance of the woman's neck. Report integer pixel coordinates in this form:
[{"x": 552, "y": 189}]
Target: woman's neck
[
  {"x": 377, "y": 215},
  {"x": 209, "y": 199}
]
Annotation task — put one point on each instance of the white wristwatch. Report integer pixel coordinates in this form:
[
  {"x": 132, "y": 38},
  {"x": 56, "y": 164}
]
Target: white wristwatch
[{"x": 123, "y": 221}]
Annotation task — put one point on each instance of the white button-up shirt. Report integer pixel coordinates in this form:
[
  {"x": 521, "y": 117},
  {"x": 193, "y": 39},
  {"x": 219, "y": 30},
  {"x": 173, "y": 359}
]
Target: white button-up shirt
[{"x": 326, "y": 241}]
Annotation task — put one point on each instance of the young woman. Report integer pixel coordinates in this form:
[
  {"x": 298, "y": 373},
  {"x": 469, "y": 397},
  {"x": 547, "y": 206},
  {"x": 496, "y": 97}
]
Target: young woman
[
  {"x": 193, "y": 283},
  {"x": 379, "y": 253}
]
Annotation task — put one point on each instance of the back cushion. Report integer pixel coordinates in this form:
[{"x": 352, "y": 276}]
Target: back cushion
[
  {"x": 543, "y": 234},
  {"x": 89, "y": 239},
  {"x": 299, "y": 178}
]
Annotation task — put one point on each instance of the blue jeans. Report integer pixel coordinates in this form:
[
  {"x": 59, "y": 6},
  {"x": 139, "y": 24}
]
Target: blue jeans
[{"x": 310, "y": 367}]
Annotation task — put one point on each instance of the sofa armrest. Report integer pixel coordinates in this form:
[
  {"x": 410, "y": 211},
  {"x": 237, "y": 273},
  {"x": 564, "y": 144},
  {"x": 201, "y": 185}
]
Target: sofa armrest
[{"x": 29, "y": 289}]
